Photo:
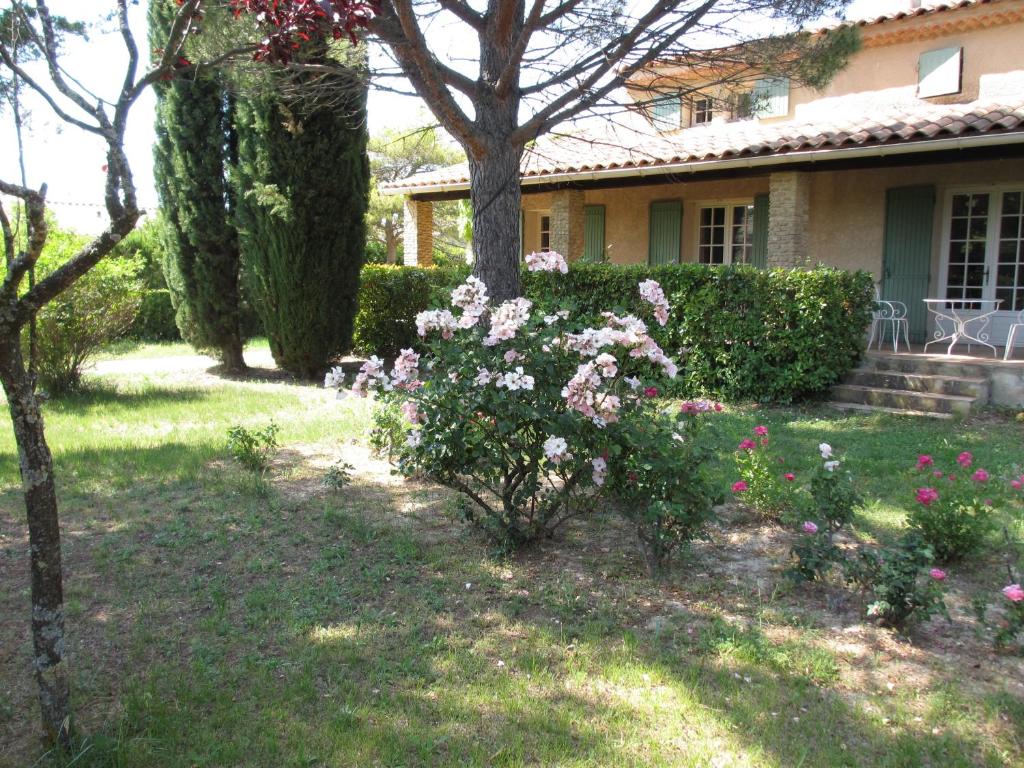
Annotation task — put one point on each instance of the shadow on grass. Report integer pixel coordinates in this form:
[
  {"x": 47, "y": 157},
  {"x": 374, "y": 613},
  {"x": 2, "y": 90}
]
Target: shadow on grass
[{"x": 324, "y": 633}]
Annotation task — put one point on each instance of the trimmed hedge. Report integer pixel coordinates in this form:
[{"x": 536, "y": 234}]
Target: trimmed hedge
[
  {"x": 155, "y": 320},
  {"x": 748, "y": 334}
]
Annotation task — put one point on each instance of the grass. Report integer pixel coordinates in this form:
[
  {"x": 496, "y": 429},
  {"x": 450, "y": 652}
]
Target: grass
[{"x": 215, "y": 621}]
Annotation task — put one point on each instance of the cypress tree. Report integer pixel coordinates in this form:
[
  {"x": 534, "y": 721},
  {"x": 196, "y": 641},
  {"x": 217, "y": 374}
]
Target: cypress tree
[
  {"x": 302, "y": 186},
  {"x": 194, "y": 148}
]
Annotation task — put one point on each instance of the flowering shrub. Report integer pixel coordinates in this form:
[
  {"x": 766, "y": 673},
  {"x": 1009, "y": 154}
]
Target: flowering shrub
[
  {"x": 762, "y": 485},
  {"x": 662, "y": 482},
  {"x": 899, "y": 583},
  {"x": 953, "y": 511},
  {"x": 527, "y": 413}
]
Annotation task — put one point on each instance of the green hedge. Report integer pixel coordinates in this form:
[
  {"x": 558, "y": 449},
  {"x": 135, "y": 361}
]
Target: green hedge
[
  {"x": 748, "y": 334},
  {"x": 155, "y": 321}
]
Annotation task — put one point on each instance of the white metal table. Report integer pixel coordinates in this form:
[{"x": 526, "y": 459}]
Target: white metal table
[{"x": 954, "y": 312}]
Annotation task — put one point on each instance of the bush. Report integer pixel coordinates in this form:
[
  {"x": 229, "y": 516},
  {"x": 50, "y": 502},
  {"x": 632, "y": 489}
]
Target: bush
[
  {"x": 748, "y": 334},
  {"x": 954, "y": 511},
  {"x": 98, "y": 309},
  {"x": 763, "y": 486},
  {"x": 528, "y": 413},
  {"x": 253, "y": 448},
  {"x": 155, "y": 320}
]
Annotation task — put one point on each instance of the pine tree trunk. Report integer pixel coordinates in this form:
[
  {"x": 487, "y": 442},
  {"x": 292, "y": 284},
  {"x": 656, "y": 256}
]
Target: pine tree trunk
[
  {"x": 231, "y": 357},
  {"x": 494, "y": 193},
  {"x": 390, "y": 242},
  {"x": 44, "y": 544}
]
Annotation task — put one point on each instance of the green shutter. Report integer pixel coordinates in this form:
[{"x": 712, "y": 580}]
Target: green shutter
[
  {"x": 759, "y": 257},
  {"x": 666, "y": 112},
  {"x": 771, "y": 97},
  {"x": 666, "y": 224},
  {"x": 593, "y": 233},
  {"x": 907, "y": 259}
]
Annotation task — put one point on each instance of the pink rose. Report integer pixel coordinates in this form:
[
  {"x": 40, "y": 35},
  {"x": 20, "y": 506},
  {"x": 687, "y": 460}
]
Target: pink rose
[
  {"x": 790, "y": 477},
  {"x": 761, "y": 431},
  {"x": 809, "y": 527},
  {"x": 924, "y": 461},
  {"x": 739, "y": 486},
  {"x": 927, "y": 495},
  {"x": 718, "y": 407},
  {"x": 651, "y": 392},
  {"x": 937, "y": 473},
  {"x": 747, "y": 444},
  {"x": 764, "y": 441},
  {"x": 980, "y": 476},
  {"x": 1014, "y": 593},
  {"x": 938, "y": 574},
  {"x": 1016, "y": 484},
  {"x": 965, "y": 459}
]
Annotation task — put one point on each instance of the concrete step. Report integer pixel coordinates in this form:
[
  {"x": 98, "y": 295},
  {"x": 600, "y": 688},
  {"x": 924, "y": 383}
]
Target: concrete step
[
  {"x": 883, "y": 409},
  {"x": 934, "y": 383},
  {"x": 904, "y": 399},
  {"x": 925, "y": 366}
]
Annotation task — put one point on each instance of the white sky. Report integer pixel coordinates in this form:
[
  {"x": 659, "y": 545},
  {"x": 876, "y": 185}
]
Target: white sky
[{"x": 70, "y": 161}]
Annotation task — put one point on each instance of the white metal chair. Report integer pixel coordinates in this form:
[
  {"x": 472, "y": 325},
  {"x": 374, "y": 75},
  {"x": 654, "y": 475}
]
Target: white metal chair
[
  {"x": 891, "y": 315},
  {"x": 1012, "y": 335}
]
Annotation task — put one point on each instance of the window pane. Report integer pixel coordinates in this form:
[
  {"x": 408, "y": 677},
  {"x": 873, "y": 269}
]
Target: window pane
[{"x": 1012, "y": 202}]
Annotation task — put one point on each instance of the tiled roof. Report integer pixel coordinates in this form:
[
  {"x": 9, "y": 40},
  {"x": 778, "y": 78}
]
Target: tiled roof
[
  {"x": 926, "y": 9},
  {"x": 623, "y": 147}
]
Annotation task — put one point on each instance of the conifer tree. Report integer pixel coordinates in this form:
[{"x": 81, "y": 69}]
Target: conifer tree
[
  {"x": 302, "y": 186},
  {"x": 194, "y": 148}
]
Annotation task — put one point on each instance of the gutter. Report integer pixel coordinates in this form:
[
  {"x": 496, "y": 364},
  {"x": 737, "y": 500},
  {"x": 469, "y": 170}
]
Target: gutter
[{"x": 753, "y": 162}]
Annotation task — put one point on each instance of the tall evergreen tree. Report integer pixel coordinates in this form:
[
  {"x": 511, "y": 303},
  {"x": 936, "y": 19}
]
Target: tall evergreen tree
[
  {"x": 302, "y": 185},
  {"x": 194, "y": 146}
]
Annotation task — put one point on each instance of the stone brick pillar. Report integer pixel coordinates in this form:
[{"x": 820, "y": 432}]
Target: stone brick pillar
[
  {"x": 567, "y": 223},
  {"x": 418, "y": 233},
  {"x": 789, "y": 207}
]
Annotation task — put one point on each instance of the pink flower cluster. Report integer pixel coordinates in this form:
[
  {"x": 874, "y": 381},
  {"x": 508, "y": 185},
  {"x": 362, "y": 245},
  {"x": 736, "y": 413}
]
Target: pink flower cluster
[
  {"x": 371, "y": 376},
  {"x": 965, "y": 459},
  {"x": 927, "y": 495},
  {"x": 556, "y": 449},
  {"x": 651, "y": 292},
  {"x": 515, "y": 380},
  {"x": 1014, "y": 593},
  {"x": 436, "y": 320},
  {"x": 938, "y": 574},
  {"x": 406, "y": 372},
  {"x": 508, "y": 318},
  {"x": 1018, "y": 483},
  {"x": 600, "y": 469},
  {"x": 700, "y": 406},
  {"x": 546, "y": 261},
  {"x": 412, "y": 412},
  {"x": 809, "y": 527},
  {"x": 739, "y": 486},
  {"x": 471, "y": 298},
  {"x": 582, "y": 394}
]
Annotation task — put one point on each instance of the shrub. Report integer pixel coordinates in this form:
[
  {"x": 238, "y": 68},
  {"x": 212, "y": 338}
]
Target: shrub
[
  {"x": 155, "y": 319},
  {"x": 901, "y": 587},
  {"x": 338, "y": 476},
  {"x": 762, "y": 484},
  {"x": 748, "y": 334},
  {"x": 253, "y": 448},
  {"x": 98, "y": 309},
  {"x": 525, "y": 414},
  {"x": 669, "y": 506},
  {"x": 954, "y": 511}
]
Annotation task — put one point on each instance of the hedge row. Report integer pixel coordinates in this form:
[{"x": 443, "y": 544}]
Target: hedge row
[
  {"x": 155, "y": 321},
  {"x": 746, "y": 334}
]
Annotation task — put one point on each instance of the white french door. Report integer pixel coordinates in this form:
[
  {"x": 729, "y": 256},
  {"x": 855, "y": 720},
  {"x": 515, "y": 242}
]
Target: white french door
[{"x": 983, "y": 251}]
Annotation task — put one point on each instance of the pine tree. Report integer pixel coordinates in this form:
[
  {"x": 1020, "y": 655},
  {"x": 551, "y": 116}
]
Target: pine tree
[
  {"x": 194, "y": 147},
  {"x": 302, "y": 186}
]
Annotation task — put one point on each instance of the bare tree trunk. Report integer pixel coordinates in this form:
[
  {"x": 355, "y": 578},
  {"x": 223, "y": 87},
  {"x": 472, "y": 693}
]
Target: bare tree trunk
[
  {"x": 494, "y": 192},
  {"x": 231, "y": 356},
  {"x": 36, "y": 463},
  {"x": 390, "y": 242}
]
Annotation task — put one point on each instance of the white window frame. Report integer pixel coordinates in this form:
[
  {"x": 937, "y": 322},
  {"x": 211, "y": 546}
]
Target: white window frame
[
  {"x": 1001, "y": 318},
  {"x": 708, "y": 112},
  {"x": 729, "y": 205}
]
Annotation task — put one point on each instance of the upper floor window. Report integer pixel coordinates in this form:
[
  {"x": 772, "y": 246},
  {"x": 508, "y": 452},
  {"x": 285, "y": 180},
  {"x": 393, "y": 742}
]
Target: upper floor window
[
  {"x": 703, "y": 111},
  {"x": 770, "y": 97},
  {"x": 665, "y": 112},
  {"x": 939, "y": 72}
]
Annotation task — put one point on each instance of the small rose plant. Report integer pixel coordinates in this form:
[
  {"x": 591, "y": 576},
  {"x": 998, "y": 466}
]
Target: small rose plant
[{"x": 533, "y": 416}]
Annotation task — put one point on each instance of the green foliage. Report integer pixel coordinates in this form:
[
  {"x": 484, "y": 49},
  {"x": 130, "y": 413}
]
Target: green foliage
[
  {"x": 99, "y": 308},
  {"x": 338, "y": 476},
  {"x": 663, "y": 484},
  {"x": 389, "y": 430},
  {"x": 144, "y": 246},
  {"x": 390, "y": 297},
  {"x": 194, "y": 149},
  {"x": 768, "y": 492},
  {"x": 155, "y": 320},
  {"x": 899, "y": 589},
  {"x": 747, "y": 334},
  {"x": 253, "y": 448},
  {"x": 302, "y": 265},
  {"x": 954, "y": 512}
]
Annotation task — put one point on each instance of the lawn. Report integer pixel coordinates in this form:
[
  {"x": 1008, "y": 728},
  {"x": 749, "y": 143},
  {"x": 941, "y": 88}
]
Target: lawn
[{"x": 218, "y": 621}]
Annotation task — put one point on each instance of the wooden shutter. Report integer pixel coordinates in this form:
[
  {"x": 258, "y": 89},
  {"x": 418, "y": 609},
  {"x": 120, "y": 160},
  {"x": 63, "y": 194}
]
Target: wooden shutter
[
  {"x": 666, "y": 112},
  {"x": 939, "y": 73},
  {"x": 907, "y": 259},
  {"x": 771, "y": 97},
  {"x": 593, "y": 233},
  {"x": 759, "y": 254},
  {"x": 666, "y": 224}
]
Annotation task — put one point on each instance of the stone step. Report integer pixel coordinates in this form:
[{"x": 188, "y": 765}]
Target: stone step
[
  {"x": 934, "y": 383},
  {"x": 926, "y": 366},
  {"x": 903, "y": 399},
  {"x": 883, "y": 409}
]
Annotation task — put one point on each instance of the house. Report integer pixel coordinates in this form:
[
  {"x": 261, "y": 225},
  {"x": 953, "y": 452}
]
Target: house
[{"x": 909, "y": 164}]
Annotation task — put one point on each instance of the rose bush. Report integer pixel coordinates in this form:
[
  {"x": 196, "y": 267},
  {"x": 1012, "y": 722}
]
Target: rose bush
[{"x": 529, "y": 414}]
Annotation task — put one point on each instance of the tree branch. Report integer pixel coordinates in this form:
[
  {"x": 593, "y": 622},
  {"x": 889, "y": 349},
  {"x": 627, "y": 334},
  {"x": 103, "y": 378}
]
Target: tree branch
[
  {"x": 463, "y": 12},
  {"x": 510, "y": 75},
  {"x": 35, "y": 211}
]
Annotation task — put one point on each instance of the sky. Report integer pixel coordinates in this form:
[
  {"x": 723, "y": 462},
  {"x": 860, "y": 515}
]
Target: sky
[{"x": 71, "y": 161}]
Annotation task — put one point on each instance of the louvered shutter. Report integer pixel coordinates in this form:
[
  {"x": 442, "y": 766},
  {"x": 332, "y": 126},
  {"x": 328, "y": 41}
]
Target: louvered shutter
[
  {"x": 666, "y": 219},
  {"x": 759, "y": 255},
  {"x": 593, "y": 233}
]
